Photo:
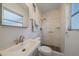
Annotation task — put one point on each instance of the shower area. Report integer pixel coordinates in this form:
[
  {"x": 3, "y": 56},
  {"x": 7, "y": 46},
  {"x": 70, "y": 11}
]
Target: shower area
[{"x": 53, "y": 30}]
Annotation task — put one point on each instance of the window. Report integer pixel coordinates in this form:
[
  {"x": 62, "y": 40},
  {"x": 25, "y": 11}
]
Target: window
[
  {"x": 74, "y": 23},
  {"x": 11, "y": 18}
]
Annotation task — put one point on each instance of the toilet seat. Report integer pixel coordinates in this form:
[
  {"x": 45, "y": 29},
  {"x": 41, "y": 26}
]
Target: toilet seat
[{"x": 45, "y": 50}]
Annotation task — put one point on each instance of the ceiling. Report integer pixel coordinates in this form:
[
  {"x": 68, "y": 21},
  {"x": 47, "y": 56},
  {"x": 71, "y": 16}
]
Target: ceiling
[
  {"x": 45, "y": 7},
  {"x": 24, "y": 6}
]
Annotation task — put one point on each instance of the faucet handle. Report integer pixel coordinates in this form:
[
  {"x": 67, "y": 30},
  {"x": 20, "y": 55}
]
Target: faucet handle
[{"x": 21, "y": 38}]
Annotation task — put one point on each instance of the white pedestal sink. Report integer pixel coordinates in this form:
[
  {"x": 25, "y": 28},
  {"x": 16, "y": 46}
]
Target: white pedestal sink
[{"x": 22, "y": 49}]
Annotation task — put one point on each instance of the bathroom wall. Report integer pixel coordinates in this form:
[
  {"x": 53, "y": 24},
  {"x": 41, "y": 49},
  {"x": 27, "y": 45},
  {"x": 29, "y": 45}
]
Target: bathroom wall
[
  {"x": 9, "y": 34},
  {"x": 36, "y": 17},
  {"x": 53, "y": 29},
  {"x": 63, "y": 26},
  {"x": 51, "y": 34},
  {"x": 71, "y": 37}
]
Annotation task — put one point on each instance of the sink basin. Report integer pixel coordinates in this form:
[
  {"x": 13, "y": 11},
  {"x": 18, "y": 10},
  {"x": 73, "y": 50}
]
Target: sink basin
[{"x": 25, "y": 48}]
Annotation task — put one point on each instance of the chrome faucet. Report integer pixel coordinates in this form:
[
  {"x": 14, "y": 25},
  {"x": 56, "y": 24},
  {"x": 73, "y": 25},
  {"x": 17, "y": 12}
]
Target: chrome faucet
[{"x": 21, "y": 39}]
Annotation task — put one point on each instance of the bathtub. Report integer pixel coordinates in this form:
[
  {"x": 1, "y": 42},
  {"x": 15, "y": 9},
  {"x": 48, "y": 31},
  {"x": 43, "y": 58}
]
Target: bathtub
[{"x": 22, "y": 49}]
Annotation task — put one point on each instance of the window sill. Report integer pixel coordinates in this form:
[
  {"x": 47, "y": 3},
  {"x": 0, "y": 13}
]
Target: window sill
[
  {"x": 73, "y": 29},
  {"x": 13, "y": 26}
]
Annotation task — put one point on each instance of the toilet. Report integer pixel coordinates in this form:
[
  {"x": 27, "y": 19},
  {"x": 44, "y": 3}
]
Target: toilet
[{"x": 44, "y": 51}]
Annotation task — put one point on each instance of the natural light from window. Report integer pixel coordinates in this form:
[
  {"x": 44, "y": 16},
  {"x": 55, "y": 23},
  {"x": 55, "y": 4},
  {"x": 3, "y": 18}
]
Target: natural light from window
[
  {"x": 75, "y": 16},
  {"x": 11, "y": 18}
]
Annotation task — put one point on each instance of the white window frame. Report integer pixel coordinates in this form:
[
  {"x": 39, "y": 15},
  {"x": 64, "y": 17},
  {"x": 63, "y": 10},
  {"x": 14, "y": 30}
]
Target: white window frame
[
  {"x": 69, "y": 27},
  {"x": 12, "y": 12}
]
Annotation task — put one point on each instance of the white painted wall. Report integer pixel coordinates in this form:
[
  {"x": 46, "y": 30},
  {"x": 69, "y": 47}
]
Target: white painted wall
[
  {"x": 9, "y": 34},
  {"x": 35, "y": 16},
  {"x": 56, "y": 18},
  {"x": 71, "y": 37},
  {"x": 52, "y": 35},
  {"x": 71, "y": 43}
]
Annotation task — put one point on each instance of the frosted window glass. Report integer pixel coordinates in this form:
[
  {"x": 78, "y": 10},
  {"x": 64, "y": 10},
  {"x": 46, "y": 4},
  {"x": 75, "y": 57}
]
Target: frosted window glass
[{"x": 11, "y": 18}]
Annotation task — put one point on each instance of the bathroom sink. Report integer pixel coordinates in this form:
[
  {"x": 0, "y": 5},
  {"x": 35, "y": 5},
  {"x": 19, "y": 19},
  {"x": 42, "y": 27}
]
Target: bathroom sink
[{"x": 25, "y": 48}]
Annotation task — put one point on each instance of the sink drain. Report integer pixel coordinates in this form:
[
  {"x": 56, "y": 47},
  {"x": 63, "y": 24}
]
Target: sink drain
[{"x": 24, "y": 50}]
